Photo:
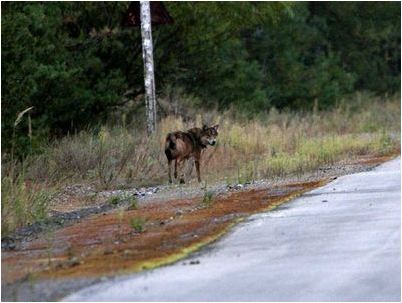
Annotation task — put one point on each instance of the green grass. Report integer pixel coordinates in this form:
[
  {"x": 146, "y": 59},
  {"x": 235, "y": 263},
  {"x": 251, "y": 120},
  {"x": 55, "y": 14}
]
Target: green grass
[
  {"x": 115, "y": 200},
  {"x": 22, "y": 203},
  {"x": 138, "y": 224},
  {"x": 207, "y": 199},
  {"x": 133, "y": 203}
]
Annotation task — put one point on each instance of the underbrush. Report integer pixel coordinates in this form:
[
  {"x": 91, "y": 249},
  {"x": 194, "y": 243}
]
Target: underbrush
[
  {"x": 273, "y": 145},
  {"x": 22, "y": 203}
]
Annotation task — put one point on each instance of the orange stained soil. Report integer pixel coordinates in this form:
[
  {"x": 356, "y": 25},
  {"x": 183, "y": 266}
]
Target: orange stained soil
[
  {"x": 108, "y": 244},
  {"x": 374, "y": 160}
]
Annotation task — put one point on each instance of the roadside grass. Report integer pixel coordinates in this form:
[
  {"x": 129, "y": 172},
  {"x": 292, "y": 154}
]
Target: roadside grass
[
  {"x": 114, "y": 200},
  {"x": 133, "y": 203},
  {"x": 22, "y": 203},
  {"x": 138, "y": 224},
  {"x": 207, "y": 199},
  {"x": 273, "y": 145}
]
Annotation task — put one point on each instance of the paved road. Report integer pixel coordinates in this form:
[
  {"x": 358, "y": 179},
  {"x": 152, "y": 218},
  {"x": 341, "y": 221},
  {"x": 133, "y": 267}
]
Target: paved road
[{"x": 340, "y": 242}]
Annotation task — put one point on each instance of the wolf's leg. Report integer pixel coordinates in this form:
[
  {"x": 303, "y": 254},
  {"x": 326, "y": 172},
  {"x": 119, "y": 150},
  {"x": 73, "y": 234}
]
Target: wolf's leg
[
  {"x": 182, "y": 168},
  {"x": 180, "y": 164},
  {"x": 175, "y": 169},
  {"x": 197, "y": 167},
  {"x": 170, "y": 170}
]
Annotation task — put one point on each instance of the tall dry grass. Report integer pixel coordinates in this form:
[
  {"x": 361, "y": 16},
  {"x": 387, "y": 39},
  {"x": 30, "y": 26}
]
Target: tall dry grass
[{"x": 273, "y": 145}]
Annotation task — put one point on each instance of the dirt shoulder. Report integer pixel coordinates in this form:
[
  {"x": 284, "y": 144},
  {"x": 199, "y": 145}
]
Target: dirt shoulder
[{"x": 164, "y": 225}]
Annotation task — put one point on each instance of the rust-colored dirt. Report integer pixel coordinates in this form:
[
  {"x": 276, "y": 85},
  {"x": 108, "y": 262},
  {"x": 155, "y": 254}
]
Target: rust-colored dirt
[
  {"x": 107, "y": 244},
  {"x": 374, "y": 160}
]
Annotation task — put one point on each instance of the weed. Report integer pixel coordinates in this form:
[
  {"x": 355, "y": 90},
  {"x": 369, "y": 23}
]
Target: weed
[
  {"x": 138, "y": 224},
  {"x": 31, "y": 278},
  {"x": 120, "y": 216},
  {"x": 239, "y": 179},
  {"x": 207, "y": 199},
  {"x": 22, "y": 203},
  {"x": 133, "y": 203},
  {"x": 49, "y": 236},
  {"x": 13, "y": 140},
  {"x": 115, "y": 200}
]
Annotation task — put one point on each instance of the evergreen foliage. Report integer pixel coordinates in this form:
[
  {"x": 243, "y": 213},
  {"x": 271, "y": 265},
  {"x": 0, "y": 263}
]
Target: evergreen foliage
[{"x": 75, "y": 61}]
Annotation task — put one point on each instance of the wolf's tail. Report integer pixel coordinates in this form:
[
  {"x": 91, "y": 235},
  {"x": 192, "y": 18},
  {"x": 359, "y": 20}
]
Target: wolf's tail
[
  {"x": 170, "y": 141},
  {"x": 170, "y": 145}
]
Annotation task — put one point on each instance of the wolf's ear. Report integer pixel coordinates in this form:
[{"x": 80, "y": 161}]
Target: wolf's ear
[
  {"x": 216, "y": 126},
  {"x": 204, "y": 127}
]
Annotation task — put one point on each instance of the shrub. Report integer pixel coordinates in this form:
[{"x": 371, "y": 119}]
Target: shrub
[
  {"x": 22, "y": 203},
  {"x": 138, "y": 224}
]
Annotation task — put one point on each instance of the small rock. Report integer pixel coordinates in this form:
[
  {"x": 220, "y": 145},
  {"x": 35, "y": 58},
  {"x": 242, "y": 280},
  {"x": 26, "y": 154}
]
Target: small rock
[
  {"x": 324, "y": 201},
  {"x": 74, "y": 261},
  {"x": 127, "y": 252},
  {"x": 8, "y": 243},
  {"x": 238, "y": 186},
  {"x": 108, "y": 251},
  {"x": 194, "y": 262},
  {"x": 9, "y": 246},
  {"x": 179, "y": 212}
]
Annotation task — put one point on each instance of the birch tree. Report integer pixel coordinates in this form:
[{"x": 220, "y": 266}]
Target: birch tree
[{"x": 147, "y": 54}]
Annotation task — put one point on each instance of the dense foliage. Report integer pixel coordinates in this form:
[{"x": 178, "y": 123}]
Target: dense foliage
[{"x": 75, "y": 61}]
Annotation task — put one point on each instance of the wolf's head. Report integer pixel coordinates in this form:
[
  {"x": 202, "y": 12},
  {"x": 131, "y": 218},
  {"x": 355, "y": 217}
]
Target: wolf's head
[{"x": 209, "y": 134}]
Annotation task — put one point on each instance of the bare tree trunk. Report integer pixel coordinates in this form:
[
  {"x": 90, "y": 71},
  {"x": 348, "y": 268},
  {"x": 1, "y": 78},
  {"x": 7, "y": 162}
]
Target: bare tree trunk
[{"x": 147, "y": 54}]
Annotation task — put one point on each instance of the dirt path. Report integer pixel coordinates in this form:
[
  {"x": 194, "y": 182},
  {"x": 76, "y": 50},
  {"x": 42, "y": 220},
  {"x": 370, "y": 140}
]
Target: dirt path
[{"x": 159, "y": 231}]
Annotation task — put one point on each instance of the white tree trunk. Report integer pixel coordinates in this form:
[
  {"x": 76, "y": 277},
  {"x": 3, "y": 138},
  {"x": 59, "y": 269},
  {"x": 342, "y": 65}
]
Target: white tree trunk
[{"x": 147, "y": 54}]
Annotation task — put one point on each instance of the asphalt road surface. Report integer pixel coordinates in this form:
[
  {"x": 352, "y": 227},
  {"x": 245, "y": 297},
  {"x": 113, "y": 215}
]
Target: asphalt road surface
[{"x": 340, "y": 242}]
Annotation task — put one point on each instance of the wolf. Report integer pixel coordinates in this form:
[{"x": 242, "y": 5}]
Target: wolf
[{"x": 180, "y": 146}]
